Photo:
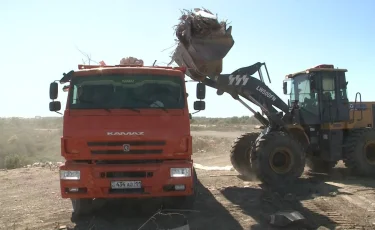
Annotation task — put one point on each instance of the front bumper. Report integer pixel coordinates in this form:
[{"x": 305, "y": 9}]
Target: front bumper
[{"x": 95, "y": 180}]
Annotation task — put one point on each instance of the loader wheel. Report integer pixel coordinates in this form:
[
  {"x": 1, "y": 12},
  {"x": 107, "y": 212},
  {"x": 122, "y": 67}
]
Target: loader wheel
[
  {"x": 81, "y": 207},
  {"x": 359, "y": 153},
  {"x": 241, "y": 151},
  {"x": 319, "y": 165},
  {"x": 278, "y": 159}
]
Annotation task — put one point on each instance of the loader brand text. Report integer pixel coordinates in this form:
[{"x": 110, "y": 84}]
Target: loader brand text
[
  {"x": 125, "y": 133},
  {"x": 244, "y": 79},
  {"x": 266, "y": 93}
]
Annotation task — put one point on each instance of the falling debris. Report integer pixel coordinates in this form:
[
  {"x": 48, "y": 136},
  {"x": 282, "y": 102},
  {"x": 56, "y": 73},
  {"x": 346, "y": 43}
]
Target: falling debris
[{"x": 203, "y": 43}]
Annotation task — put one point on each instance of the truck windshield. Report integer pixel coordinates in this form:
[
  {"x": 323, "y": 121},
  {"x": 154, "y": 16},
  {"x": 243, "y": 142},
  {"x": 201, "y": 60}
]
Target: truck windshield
[{"x": 127, "y": 92}]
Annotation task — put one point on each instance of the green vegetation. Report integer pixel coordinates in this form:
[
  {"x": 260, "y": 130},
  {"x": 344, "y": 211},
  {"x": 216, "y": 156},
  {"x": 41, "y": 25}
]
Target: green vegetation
[
  {"x": 244, "y": 120},
  {"x": 223, "y": 124}
]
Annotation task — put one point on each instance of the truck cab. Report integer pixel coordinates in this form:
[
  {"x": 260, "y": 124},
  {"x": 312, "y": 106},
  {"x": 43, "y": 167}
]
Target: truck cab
[{"x": 126, "y": 134}]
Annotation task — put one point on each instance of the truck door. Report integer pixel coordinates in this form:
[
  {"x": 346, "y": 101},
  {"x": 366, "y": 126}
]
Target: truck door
[
  {"x": 333, "y": 99},
  {"x": 342, "y": 97}
]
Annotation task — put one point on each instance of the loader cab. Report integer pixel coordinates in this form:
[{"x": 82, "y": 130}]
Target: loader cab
[{"x": 319, "y": 94}]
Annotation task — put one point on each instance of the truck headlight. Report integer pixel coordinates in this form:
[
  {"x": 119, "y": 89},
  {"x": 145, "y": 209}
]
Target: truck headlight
[
  {"x": 180, "y": 172},
  {"x": 70, "y": 175}
]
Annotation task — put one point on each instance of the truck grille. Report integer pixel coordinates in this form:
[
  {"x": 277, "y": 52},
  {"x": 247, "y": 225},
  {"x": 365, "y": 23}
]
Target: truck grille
[
  {"x": 126, "y": 174},
  {"x": 127, "y": 147}
]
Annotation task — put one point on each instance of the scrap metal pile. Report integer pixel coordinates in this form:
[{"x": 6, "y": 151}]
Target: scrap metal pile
[
  {"x": 131, "y": 61},
  {"x": 203, "y": 42}
]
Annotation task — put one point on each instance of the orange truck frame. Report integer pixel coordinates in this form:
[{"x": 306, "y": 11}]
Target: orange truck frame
[{"x": 126, "y": 134}]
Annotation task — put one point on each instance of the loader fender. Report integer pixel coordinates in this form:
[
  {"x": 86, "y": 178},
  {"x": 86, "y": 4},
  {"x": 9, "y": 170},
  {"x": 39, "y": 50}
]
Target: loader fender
[{"x": 300, "y": 135}]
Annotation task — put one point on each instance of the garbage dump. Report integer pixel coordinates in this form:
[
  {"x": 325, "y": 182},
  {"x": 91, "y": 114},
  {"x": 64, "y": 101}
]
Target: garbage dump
[{"x": 203, "y": 42}]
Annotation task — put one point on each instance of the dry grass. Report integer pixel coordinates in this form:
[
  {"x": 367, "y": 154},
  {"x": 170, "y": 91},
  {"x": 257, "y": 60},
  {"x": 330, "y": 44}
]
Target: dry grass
[
  {"x": 25, "y": 141},
  {"x": 203, "y": 144}
]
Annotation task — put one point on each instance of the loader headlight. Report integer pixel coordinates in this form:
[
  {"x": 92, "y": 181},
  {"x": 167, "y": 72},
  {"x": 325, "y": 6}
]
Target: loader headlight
[
  {"x": 180, "y": 172},
  {"x": 70, "y": 175}
]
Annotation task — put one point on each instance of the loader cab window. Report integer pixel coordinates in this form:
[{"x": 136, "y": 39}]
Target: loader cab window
[
  {"x": 328, "y": 86},
  {"x": 301, "y": 91},
  {"x": 343, "y": 94}
]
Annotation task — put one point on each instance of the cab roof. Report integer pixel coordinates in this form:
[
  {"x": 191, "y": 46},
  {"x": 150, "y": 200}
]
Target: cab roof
[
  {"x": 87, "y": 69},
  {"x": 318, "y": 68}
]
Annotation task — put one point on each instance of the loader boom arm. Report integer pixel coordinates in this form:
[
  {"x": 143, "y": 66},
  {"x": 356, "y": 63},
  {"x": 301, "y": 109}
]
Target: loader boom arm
[{"x": 241, "y": 83}]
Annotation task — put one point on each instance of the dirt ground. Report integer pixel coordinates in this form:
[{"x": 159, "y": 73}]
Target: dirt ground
[{"x": 30, "y": 199}]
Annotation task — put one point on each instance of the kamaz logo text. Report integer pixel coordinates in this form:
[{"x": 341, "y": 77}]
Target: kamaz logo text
[
  {"x": 238, "y": 79},
  {"x": 125, "y": 133},
  {"x": 266, "y": 93}
]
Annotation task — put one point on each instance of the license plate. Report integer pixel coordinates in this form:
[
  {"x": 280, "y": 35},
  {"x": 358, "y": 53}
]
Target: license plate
[{"x": 126, "y": 184}]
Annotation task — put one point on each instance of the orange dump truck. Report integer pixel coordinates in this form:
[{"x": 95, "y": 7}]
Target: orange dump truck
[{"x": 126, "y": 134}]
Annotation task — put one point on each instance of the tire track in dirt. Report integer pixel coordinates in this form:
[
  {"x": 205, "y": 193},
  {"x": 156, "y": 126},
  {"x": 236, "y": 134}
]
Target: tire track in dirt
[
  {"x": 357, "y": 195},
  {"x": 332, "y": 218}
]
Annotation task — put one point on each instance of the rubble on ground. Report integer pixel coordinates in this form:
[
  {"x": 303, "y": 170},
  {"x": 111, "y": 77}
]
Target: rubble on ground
[
  {"x": 44, "y": 165},
  {"x": 285, "y": 218},
  {"x": 203, "y": 42}
]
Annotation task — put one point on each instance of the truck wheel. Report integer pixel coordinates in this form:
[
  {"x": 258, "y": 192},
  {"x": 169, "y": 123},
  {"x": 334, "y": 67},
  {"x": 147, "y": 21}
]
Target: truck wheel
[
  {"x": 241, "y": 151},
  {"x": 319, "y": 165},
  {"x": 278, "y": 159},
  {"x": 183, "y": 202},
  {"x": 81, "y": 207},
  {"x": 359, "y": 153}
]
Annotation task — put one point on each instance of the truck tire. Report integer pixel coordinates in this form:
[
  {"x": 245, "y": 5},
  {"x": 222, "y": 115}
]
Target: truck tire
[
  {"x": 320, "y": 165},
  {"x": 278, "y": 159},
  {"x": 359, "y": 152},
  {"x": 240, "y": 153},
  {"x": 183, "y": 202},
  {"x": 82, "y": 207}
]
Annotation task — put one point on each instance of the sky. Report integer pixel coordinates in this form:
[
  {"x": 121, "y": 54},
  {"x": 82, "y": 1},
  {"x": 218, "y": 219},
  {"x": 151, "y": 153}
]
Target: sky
[{"x": 39, "y": 41}]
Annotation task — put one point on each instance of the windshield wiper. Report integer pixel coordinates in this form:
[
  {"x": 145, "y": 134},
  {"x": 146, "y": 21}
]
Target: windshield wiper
[
  {"x": 93, "y": 102},
  {"x": 148, "y": 103},
  {"x": 132, "y": 109},
  {"x": 160, "y": 107}
]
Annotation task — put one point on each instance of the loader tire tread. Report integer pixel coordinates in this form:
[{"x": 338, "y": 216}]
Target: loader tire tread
[
  {"x": 354, "y": 156},
  {"x": 262, "y": 153},
  {"x": 240, "y": 153}
]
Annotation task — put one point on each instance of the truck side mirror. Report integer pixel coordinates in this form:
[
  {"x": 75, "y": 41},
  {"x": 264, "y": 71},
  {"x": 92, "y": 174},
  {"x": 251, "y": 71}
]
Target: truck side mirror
[
  {"x": 54, "y": 106},
  {"x": 201, "y": 91},
  {"x": 53, "y": 90},
  {"x": 285, "y": 87},
  {"x": 199, "y": 105}
]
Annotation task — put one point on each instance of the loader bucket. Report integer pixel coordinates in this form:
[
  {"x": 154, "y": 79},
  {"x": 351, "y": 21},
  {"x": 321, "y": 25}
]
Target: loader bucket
[
  {"x": 203, "y": 44},
  {"x": 197, "y": 69},
  {"x": 210, "y": 48},
  {"x": 204, "y": 55}
]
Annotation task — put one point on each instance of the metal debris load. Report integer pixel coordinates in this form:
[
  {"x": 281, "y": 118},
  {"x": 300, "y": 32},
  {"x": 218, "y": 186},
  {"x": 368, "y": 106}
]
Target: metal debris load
[
  {"x": 131, "y": 61},
  {"x": 203, "y": 42}
]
